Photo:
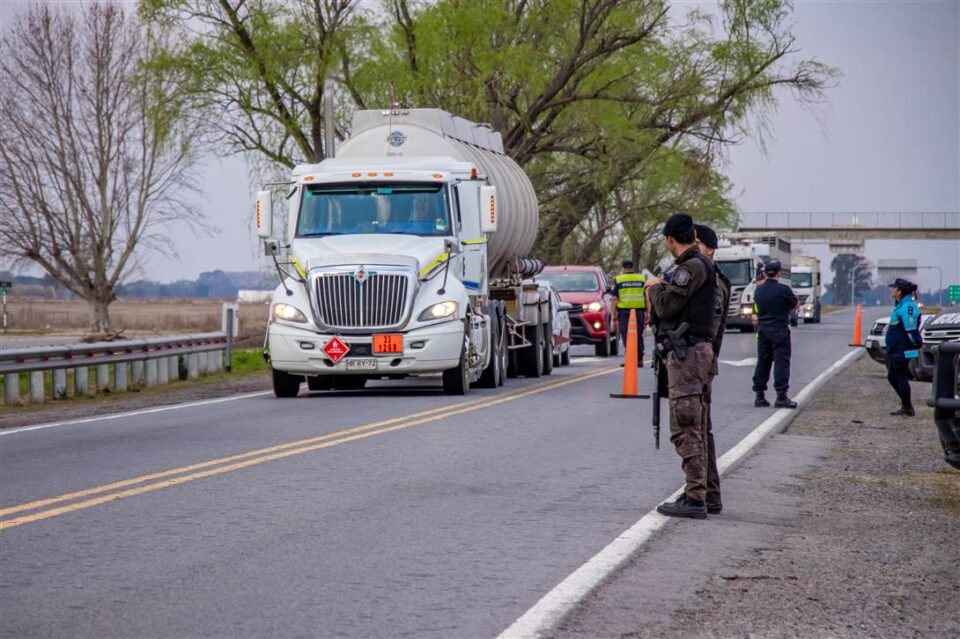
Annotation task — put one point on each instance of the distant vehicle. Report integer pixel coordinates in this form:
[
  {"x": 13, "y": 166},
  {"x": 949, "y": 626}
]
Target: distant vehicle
[
  {"x": 944, "y": 327},
  {"x": 561, "y": 327},
  {"x": 741, "y": 257},
  {"x": 588, "y": 287},
  {"x": 875, "y": 343},
  {"x": 805, "y": 279}
]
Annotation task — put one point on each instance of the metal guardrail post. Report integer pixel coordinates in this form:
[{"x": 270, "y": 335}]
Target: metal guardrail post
[
  {"x": 173, "y": 368},
  {"x": 11, "y": 389},
  {"x": 944, "y": 399},
  {"x": 136, "y": 373},
  {"x": 229, "y": 361},
  {"x": 37, "y": 390},
  {"x": 163, "y": 371},
  {"x": 103, "y": 378},
  {"x": 202, "y": 363},
  {"x": 59, "y": 383},
  {"x": 120, "y": 375},
  {"x": 150, "y": 373},
  {"x": 193, "y": 370},
  {"x": 80, "y": 383}
]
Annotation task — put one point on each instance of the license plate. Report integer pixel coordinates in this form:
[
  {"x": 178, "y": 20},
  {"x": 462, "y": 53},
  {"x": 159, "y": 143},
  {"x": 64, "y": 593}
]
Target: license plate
[
  {"x": 388, "y": 343},
  {"x": 362, "y": 364}
]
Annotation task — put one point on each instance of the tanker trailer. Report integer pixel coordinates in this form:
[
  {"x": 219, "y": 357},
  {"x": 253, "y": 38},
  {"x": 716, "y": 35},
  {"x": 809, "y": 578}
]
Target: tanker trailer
[{"x": 403, "y": 256}]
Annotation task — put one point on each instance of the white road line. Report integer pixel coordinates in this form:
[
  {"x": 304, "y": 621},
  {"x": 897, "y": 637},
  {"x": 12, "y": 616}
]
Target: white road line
[
  {"x": 145, "y": 411},
  {"x": 553, "y": 606},
  {"x": 750, "y": 361}
]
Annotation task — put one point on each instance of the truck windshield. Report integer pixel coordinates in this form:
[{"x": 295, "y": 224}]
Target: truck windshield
[
  {"x": 801, "y": 280},
  {"x": 740, "y": 272},
  {"x": 338, "y": 209},
  {"x": 571, "y": 282}
]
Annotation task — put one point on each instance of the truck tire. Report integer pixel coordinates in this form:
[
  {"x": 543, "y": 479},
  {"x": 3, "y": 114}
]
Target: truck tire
[
  {"x": 492, "y": 375},
  {"x": 286, "y": 385},
  {"x": 547, "y": 350},
  {"x": 455, "y": 379},
  {"x": 530, "y": 358}
]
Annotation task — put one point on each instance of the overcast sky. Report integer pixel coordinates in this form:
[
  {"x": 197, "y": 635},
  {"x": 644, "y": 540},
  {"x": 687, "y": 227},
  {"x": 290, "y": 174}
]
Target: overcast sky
[{"x": 887, "y": 139}]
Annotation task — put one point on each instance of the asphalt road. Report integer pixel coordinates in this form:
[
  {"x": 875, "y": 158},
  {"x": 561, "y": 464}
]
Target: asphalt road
[{"x": 430, "y": 517}]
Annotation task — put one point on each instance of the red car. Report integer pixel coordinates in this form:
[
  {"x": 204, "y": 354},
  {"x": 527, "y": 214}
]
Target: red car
[{"x": 587, "y": 286}]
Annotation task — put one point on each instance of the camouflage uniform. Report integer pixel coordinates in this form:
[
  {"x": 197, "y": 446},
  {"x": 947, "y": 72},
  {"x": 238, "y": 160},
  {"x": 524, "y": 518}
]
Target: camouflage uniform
[
  {"x": 723, "y": 304},
  {"x": 690, "y": 296}
]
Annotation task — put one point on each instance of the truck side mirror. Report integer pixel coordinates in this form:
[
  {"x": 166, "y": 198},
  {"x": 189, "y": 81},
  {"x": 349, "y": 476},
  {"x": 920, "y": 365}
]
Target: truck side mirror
[
  {"x": 264, "y": 215},
  {"x": 489, "y": 209}
]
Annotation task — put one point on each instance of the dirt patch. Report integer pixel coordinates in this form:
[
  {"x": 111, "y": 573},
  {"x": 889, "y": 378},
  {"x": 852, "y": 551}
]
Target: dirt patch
[{"x": 873, "y": 548}]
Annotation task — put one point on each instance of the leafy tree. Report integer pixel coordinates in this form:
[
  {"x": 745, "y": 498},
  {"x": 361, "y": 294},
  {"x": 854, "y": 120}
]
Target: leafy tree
[
  {"x": 845, "y": 267},
  {"x": 93, "y": 163}
]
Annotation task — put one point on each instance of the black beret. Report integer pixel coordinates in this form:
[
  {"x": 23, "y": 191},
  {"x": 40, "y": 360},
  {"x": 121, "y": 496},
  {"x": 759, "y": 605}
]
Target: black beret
[
  {"x": 772, "y": 267},
  {"x": 903, "y": 284},
  {"x": 707, "y": 235},
  {"x": 627, "y": 264},
  {"x": 678, "y": 223}
]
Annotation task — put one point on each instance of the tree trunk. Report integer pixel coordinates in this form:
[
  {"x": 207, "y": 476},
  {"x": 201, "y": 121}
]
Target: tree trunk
[{"x": 99, "y": 315}]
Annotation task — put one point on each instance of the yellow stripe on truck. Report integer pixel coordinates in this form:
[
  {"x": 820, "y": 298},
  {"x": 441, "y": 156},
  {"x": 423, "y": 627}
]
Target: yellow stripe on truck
[{"x": 432, "y": 265}]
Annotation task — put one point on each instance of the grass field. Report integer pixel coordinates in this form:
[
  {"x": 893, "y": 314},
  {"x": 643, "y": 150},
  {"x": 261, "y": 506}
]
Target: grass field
[{"x": 137, "y": 317}]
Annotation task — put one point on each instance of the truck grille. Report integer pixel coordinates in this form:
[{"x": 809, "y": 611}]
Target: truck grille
[
  {"x": 735, "y": 293},
  {"x": 380, "y": 301},
  {"x": 935, "y": 336}
]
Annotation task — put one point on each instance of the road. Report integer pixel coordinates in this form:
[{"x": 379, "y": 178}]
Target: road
[{"x": 399, "y": 512}]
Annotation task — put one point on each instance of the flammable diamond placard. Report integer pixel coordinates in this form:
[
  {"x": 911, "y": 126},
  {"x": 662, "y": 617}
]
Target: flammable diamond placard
[{"x": 336, "y": 349}]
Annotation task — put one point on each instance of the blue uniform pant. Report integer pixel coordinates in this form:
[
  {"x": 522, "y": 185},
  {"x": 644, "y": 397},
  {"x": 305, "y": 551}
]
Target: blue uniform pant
[
  {"x": 623, "y": 316},
  {"x": 773, "y": 351},
  {"x": 898, "y": 378}
]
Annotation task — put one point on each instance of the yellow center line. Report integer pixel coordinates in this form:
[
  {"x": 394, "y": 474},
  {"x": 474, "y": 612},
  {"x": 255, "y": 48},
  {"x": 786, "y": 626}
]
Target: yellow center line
[{"x": 272, "y": 453}]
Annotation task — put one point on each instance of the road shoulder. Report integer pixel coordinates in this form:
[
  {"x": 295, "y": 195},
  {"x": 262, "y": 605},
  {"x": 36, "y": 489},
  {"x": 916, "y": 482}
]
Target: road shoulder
[{"x": 843, "y": 526}]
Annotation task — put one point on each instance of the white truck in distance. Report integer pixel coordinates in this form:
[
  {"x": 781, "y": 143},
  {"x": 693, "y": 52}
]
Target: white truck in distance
[
  {"x": 741, "y": 258},
  {"x": 404, "y": 258},
  {"x": 805, "y": 278}
]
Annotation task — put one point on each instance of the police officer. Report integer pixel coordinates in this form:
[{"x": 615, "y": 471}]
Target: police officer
[
  {"x": 902, "y": 341},
  {"x": 707, "y": 243},
  {"x": 773, "y": 302},
  {"x": 685, "y": 310},
  {"x": 628, "y": 289}
]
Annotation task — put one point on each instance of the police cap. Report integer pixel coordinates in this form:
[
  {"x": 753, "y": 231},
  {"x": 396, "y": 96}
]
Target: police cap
[
  {"x": 772, "y": 267},
  {"x": 678, "y": 223},
  {"x": 706, "y": 235},
  {"x": 627, "y": 264},
  {"x": 903, "y": 285}
]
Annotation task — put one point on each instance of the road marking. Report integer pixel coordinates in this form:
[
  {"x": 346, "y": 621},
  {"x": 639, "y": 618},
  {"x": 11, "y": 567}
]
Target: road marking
[
  {"x": 263, "y": 455},
  {"x": 145, "y": 411},
  {"x": 556, "y": 604},
  {"x": 750, "y": 361}
]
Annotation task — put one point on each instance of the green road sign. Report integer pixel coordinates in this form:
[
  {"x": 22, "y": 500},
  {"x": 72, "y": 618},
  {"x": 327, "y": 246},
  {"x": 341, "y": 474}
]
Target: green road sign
[{"x": 954, "y": 293}]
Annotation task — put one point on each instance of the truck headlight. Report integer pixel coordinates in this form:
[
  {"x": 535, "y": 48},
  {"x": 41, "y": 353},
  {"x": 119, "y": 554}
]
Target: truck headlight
[
  {"x": 746, "y": 310},
  {"x": 289, "y": 313},
  {"x": 438, "y": 311},
  {"x": 594, "y": 307}
]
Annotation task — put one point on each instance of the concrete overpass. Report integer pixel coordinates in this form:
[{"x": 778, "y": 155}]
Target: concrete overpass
[{"x": 854, "y": 228}]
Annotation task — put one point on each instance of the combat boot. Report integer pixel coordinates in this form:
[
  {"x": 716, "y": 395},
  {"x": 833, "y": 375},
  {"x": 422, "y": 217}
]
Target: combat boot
[
  {"x": 761, "y": 400},
  {"x": 904, "y": 410},
  {"x": 683, "y": 507},
  {"x": 784, "y": 402}
]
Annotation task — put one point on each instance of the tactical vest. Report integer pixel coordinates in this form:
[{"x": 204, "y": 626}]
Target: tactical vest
[
  {"x": 700, "y": 313},
  {"x": 630, "y": 291}
]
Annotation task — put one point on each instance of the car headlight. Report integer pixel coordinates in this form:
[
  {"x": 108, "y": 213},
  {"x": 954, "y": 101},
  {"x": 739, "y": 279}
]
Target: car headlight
[
  {"x": 594, "y": 307},
  {"x": 289, "y": 313},
  {"x": 808, "y": 307},
  {"x": 438, "y": 311}
]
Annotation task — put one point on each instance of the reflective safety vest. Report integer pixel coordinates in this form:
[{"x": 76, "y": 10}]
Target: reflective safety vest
[{"x": 629, "y": 290}]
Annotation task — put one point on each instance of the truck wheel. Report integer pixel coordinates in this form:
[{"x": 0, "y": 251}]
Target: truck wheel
[
  {"x": 285, "y": 384},
  {"x": 530, "y": 358},
  {"x": 547, "y": 350},
  {"x": 794, "y": 320},
  {"x": 492, "y": 374},
  {"x": 816, "y": 315},
  {"x": 455, "y": 379},
  {"x": 320, "y": 382}
]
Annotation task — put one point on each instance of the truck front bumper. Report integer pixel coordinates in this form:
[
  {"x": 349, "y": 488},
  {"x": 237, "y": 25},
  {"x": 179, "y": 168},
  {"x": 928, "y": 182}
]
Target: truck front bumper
[{"x": 431, "y": 349}]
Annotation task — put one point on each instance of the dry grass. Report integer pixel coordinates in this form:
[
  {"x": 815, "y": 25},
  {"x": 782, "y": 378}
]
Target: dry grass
[{"x": 150, "y": 316}]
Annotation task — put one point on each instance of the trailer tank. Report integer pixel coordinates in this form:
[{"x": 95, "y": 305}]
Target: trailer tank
[{"x": 436, "y": 133}]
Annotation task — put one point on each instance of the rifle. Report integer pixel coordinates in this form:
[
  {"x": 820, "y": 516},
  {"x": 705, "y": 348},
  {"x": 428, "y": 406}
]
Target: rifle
[{"x": 667, "y": 341}]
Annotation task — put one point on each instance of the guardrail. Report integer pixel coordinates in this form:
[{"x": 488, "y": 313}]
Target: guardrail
[
  {"x": 134, "y": 363},
  {"x": 945, "y": 399}
]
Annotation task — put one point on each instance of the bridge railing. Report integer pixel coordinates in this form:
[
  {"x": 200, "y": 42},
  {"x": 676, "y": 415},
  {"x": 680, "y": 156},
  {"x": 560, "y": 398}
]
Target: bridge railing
[
  {"x": 133, "y": 363},
  {"x": 946, "y": 220}
]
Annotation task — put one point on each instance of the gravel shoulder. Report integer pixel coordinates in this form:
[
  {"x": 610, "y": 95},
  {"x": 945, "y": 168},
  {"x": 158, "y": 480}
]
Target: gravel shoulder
[{"x": 844, "y": 526}]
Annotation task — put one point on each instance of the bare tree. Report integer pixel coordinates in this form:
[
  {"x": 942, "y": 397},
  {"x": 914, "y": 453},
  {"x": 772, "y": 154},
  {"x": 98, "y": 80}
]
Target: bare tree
[{"x": 93, "y": 165}]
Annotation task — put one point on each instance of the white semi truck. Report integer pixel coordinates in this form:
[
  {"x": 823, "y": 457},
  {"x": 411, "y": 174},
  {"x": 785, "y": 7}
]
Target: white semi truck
[
  {"x": 741, "y": 257},
  {"x": 805, "y": 278},
  {"x": 403, "y": 256}
]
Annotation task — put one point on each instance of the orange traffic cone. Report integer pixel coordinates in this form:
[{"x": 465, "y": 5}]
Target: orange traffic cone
[
  {"x": 858, "y": 327},
  {"x": 630, "y": 363}
]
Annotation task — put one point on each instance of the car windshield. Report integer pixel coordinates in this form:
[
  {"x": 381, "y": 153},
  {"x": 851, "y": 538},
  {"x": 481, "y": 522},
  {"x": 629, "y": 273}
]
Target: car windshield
[
  {"x": 572, "y": 281},
  {"x": 739, "y": 273},
  {"x": 801, "y": 280},
  {"x": 413, "y": 209}
]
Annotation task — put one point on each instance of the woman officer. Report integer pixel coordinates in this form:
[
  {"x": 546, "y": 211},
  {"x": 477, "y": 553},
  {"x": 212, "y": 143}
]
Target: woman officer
[{"x": 903, "y": 341}]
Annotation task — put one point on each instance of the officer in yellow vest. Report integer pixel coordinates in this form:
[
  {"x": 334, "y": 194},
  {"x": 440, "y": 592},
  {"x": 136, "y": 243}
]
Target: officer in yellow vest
[{"x": 630, "y": 294}]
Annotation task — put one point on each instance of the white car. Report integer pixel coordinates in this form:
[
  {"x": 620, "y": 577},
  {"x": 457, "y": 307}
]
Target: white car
[{"x": 561, "y": 327}]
